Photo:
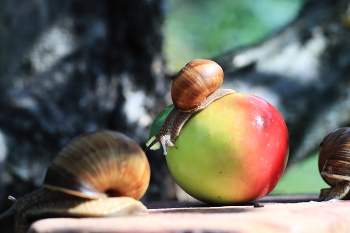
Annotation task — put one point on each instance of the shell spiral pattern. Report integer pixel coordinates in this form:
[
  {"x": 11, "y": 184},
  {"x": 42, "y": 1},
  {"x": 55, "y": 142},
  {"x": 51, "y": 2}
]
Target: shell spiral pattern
[
  {"x": 100, "y": 163},
  {"x": 195, "y": 82}
]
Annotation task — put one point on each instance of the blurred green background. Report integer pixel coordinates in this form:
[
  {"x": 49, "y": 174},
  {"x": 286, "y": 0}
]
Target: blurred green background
[
  {"x": 302, "y": 178},
  {"x": 209, "y": 28}
]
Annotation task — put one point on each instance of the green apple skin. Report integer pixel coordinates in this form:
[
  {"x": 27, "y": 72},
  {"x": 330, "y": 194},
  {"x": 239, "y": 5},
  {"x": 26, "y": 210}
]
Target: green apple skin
[{"x": 234, "y": 151}]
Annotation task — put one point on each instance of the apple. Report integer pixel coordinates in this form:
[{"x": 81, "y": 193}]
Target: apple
[{"x": 233, "y": 151}]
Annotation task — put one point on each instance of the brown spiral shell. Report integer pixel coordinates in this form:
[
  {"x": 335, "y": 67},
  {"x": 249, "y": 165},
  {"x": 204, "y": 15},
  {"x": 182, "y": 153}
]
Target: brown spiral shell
[
  {"x": 334, "y": 157},
  {"x": 194, "y": 82},
  {"x": 98, "y": 164}
]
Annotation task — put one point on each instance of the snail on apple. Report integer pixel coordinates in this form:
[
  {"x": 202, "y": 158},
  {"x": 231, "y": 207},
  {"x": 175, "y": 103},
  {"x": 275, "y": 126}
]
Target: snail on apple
[
  {"x": 223, "y": 147},
  {"x": 194, "y": 88}
]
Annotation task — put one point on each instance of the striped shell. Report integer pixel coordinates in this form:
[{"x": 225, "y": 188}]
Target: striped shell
[
  {"x": 198, "y": 79},
  {"x": 334, "y": 157},
  {"x": 98, "y": 164}
]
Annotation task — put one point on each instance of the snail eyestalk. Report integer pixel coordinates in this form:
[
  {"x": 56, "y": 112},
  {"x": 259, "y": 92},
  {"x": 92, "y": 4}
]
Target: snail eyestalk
[
  {"x": 11, "y": 198},
  {"x": 166, "y": 141}
]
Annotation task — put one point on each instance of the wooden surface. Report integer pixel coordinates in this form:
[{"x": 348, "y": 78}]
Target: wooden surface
[{"x": 270, "y": 214}]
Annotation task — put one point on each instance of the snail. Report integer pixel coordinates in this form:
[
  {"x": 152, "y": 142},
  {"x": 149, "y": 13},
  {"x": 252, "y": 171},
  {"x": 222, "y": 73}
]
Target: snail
[
  {"x": 99, "y": 173},
  {"x": 195, "y": 86},
  {"x": 334, "y": 164}
]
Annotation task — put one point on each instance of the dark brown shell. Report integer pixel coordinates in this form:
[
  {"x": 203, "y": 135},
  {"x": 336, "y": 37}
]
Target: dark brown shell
[
  {"x": 100, "y": 163},
  {"x": 334, "y": 157},
  {"x": 198, "y": 79}
]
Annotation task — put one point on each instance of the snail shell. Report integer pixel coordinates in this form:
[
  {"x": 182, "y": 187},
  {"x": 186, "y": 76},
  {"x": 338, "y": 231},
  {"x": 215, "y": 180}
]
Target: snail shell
[
  {"x": 100, "y": 173},
  {"x": 195, "y": 82},
  {"x": 334, "y": 164},
  {"x": 98, "y": 164}
]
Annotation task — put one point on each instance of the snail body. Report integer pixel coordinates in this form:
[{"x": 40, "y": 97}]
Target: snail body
[
  {"x": 334, "y": 164},
  {"x": 195, "y": 86},
  {"x": 100, "y": 173}
]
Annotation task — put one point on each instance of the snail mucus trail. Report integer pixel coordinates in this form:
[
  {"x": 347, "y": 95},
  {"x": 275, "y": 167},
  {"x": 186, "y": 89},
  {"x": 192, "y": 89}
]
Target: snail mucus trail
[
  {"x": 194, "y": 88},
  {"x": 334, "y": 165},
  {"x": 100, "y": 173}
]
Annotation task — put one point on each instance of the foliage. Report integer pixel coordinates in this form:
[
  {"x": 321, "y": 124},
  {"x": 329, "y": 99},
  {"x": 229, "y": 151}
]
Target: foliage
[{"x": 208, "y": 28}]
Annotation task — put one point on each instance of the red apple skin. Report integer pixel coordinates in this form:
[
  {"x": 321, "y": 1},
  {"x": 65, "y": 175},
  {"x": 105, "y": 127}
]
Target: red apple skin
[{"x": 234, "y": 151}]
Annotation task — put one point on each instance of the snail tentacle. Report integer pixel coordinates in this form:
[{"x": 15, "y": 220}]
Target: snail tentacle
[{"x": 11, "y": 198}]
